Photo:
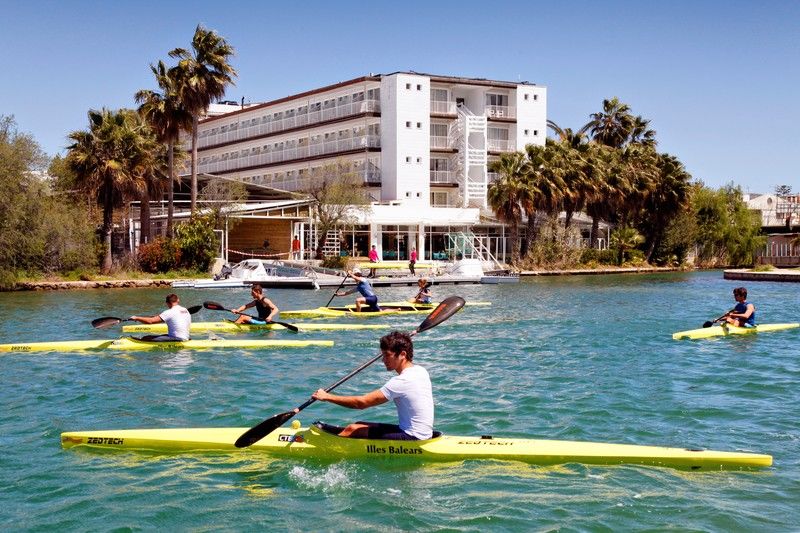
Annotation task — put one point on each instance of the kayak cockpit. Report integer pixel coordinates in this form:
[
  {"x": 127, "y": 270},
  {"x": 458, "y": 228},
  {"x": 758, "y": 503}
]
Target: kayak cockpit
[{"x": 330, "y": 429}]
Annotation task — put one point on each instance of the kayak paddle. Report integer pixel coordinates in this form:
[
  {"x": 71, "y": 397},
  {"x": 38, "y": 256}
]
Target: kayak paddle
[
  {"x": 218, "y": 307},
  {"x": 108, "y": 321},
  {"x": 337, "y": 290},
  {"x": 447, "y": 308},
  {"x": 709, "y": 323}
]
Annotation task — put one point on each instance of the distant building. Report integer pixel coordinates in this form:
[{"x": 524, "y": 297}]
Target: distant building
[{"x": 421, "y": 143}]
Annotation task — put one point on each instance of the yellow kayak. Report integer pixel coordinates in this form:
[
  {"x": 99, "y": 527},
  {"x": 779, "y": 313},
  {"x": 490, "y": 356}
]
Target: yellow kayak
[
  {"x": 315, "y": 441},
  {"x": 230, "y": 327},
  {"x": 387, "y": 308},
  {"x": 725, "y": 330},
  {"x": 134, "y": 344}
]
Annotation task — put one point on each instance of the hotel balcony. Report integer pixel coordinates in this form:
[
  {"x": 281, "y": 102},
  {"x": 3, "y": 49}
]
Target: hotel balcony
[
  {"x": 289, "y": 154},
  {"x": 443, "y": 177},
  {"x": 491, "y": 177},
  {"x": 441, "y": 142},
  {"x": 248, "y": 128},
  {"x": 500, "y": 145},
  {"x": 501, "y": 111},
  {"x": 302, "y": 182},
  {"x": 443, "y": 108}
]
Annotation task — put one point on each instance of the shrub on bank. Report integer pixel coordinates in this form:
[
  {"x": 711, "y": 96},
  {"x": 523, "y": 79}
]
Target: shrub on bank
[
  {"x": 197, "y": 242},
  {"x": 159, "y": 255}
]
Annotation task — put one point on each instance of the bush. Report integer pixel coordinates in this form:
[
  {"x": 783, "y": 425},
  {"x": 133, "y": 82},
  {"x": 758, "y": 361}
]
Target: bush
[
  {"x": 197, "y": 242},
  {"x": 591, "y": 256},
  {"x": 335, "y": 262},
  {"x": 159, "y": 255}
]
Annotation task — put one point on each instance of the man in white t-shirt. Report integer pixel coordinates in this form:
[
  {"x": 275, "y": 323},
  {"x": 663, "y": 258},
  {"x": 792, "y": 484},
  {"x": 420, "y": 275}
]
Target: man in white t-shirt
[
  {"x": 410, "y": 390},
  {"x": 177, "y": 318}
]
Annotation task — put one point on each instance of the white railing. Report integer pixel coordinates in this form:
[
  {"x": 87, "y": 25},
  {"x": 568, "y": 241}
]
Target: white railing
[
  {"x": 500, "y": 145},
  {"x": 440, "y": 141},
  {"x": 492, "y": 176},
  {"x": 443, "y": 108},
  {"x": 443, "y": 176},
  {"x": 246, "y": 130},
  {"x": 288, "y": 154},
  {"x": 501, "y": 111}
]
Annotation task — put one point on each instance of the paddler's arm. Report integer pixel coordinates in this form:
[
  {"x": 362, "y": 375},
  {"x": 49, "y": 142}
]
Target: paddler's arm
[
  {"x": 147, "y": 319},
  {"x": 370, "y": 399},
  {"x": 241, "y": 308},
  {"x": 749, "y": 311},
  {"x": 274, "y": 308}
]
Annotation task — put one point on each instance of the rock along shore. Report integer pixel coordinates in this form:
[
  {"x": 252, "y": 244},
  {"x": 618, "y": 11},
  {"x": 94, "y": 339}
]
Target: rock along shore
[
  {"x": 104, "y": 284},
  {"x": 595, "y": 271}
]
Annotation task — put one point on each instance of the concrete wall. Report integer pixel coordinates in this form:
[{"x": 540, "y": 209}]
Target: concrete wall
[
  {"x": 249, "y": 235},
  {"x": 531, "y": 115}
]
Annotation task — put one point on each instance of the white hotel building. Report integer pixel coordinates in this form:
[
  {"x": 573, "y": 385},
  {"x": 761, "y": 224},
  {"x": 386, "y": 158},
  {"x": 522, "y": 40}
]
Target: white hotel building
[{"x": 421, "y": 142}]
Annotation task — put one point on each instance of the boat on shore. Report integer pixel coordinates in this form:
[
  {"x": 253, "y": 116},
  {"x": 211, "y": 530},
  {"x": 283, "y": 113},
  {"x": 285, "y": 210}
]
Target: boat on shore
[
  {"x": 317, "y": 441},
  {"x": 132, "y": 344},
  {"x": 726, "y": 329},
  {"x": 232, "y": 327},
  {"x": 268, "y": 273}
]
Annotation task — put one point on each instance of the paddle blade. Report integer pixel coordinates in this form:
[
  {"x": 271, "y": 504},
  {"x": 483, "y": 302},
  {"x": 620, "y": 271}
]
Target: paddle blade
[
  {"x": 105, "y": 322},
  {"x": 447, "y": 308},
  {"x": 194, "y": 309},
  {"x": 256, "y": 433},
  {"x": 290, "y": 327},
  {"x": 214, "y": 306},
  {"x": 707, "y": 324}
]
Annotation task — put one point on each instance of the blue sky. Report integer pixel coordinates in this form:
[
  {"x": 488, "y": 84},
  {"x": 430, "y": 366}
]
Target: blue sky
[{"x": 718, "y": 80}]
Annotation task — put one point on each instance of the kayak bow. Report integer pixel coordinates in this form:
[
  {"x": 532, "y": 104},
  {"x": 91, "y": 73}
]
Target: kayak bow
[
  {"x": 726, "y": 329},
  {"x": 134, "y": 344},
  {"x": 231, "y": 327},
  {"x": 314, "y": 442}
]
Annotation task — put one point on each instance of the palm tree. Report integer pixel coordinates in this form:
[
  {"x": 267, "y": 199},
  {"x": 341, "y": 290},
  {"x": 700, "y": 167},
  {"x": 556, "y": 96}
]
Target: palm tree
[
  {"x": 544, "y": 186},
  {"x": 203, "y": 74},
  {"x": 669, "y": 197},
  {"x": 641, "y": 133},
  {"x": 167, "y": 118},
  {"x": 623, "y": 239},
  {"x": 505, "y": 194},
  {"x": 105, "y": 159},
  {"x": 613, "y": 125}
]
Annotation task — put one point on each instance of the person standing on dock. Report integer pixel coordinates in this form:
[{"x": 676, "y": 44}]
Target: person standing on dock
[
  {"x": 373, "y": 258},
  {"x": 176, "y": 317},
  {"x": 296, "y": 248},
  {"x": 744, "y": 314},
  {"x": 412, "y": 260},
  {"x": 363, "y": 286},
  {"x": 266, "y": 309}
]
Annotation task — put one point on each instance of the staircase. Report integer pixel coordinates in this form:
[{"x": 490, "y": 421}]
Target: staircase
[
  {"x": 469, "y": 134},
  {"x": 470, "y": 246}
]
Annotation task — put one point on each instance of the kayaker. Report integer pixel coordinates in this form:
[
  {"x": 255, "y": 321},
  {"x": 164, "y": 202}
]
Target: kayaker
[
  {"x": 410, "y": 390},
  {"x": 363, "y": 286},
  {"x": 266, "y": 309},
  {"x": 424, "y": 294},
  {"x": 744, "y": 314},
  {"x": 176, "y": 317}
]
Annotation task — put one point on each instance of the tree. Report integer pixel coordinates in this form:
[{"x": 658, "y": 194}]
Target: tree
[
  {"x": 220, "y": 195},
  {"x": 783, "y": 190},
  {"x": 505, "y": 195},
  {"x": 669, "y": 197},
  {"x": 202, "y": 75},
  {"x": 107, "y": 161},
  {"x": 544, "y": 186},
  {"x": 624, "y": 239},
  {"x": 613, "y": 125},
  {"x": 340, "y": 197},
  {"x": 167, "y": 117}
]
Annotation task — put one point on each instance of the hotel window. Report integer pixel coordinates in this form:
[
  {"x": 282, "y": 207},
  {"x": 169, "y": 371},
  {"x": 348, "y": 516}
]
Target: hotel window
[
  {"x": 358, "y": 97},
  {"x": 419, "y": 160},
  {"x": 408, "y": 124},
  {"x": 419, "y": 125},
  {"x": 438, "y": 199},
  {"x": 497, "y": 134},
  {"x": 408, "y": 159},
  {"x": 408, "y": 86},
  {"x": 535, "y": 96},
  {"x": 419, "y": 87},
  {"x": 438, "y": 130},
  {"x": 373, "y": 94},
  {"x": 496, "y": 99},
  {"x": 439, "y": 95},
  {"x": 535, "y": 133},
  {"x": 526, "y": 96},
  {"x": 526, "y": 133}
]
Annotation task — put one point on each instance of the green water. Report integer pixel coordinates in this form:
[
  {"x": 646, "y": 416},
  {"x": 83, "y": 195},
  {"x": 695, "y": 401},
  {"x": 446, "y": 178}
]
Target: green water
[{"x": 581, "y": 358}]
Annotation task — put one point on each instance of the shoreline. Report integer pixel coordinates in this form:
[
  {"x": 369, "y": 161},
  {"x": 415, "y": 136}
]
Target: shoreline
[
  {"x": 156, "y": 283},
  {"x": 745, "y": 274}
]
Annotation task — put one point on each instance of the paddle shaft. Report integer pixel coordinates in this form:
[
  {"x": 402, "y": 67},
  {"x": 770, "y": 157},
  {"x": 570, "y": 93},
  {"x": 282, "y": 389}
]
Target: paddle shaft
[
  {"x": 710, "y": 323},
  {"x": 108, "y": 321},
  {"x": 337, "y": 290}
]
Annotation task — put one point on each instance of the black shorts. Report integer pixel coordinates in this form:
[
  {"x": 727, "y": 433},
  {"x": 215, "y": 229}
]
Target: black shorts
[{"x": 380, "y": 431}]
